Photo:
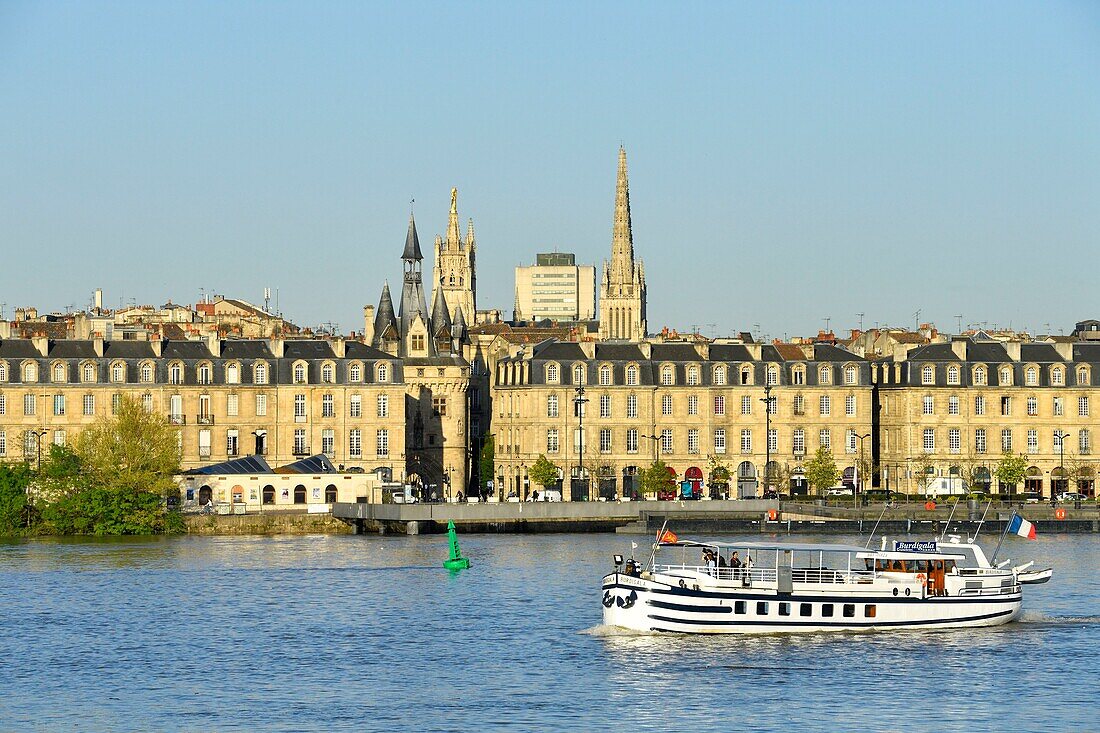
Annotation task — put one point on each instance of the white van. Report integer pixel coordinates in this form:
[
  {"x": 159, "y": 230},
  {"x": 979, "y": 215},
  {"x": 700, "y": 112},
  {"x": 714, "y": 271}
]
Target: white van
[{"x": 946, "y": 486}]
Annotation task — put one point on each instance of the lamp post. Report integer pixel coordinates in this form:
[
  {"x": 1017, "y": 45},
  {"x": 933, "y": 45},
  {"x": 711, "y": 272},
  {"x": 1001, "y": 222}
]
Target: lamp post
[
  {"x": 767, "y": 437},
  {"x": 859, "y": 471},
  {"x": 578, "y": 409},
  {"x": 38, "y": 435},
  {"x": 654, "y": 438},
  {"x": 1061, "y": 436}
]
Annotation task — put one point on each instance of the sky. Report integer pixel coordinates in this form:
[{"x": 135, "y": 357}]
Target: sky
[{"x": 789, "y": 162}]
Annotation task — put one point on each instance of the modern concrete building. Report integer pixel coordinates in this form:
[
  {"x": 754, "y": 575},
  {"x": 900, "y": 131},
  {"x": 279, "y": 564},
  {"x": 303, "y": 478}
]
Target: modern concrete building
[{"x": 555, "y": 288}]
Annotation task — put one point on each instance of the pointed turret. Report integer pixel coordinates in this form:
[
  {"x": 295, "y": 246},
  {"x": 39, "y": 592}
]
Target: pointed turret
[
  {"x": 385, "y": 323},
  {"x": 412, "y": 243},
  {"x": 441, "y": 318},
  {"x": 470, "y": 234},
  {"x": 454, "y": 239},
  {"x": 622, "y": 239},
  {"x": 459, "y": 331}
]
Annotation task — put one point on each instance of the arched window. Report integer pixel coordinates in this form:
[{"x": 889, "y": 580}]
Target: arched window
[
  {"x": 552, "y": 373},
  {"x": 299, "y": 373},
  {"x": 3, "y": 371},
  {"x": 952, "y": 374},
  {"x": 355, "y": 372},
  {"x": 746, "y": 374},
  {"x": 383, "y": 372},
  {"x": 328, "y": 373},
  {"x": 1057, "y": 376},
  {"x": 175, "y": 373},
  {"x": 825, "y": 375},
  {"x": 667, "y": 375},
  {"x": 605, "y": 375},
  {"x": 632, "y": 375},
  {"x": 59, "y": 372},
  {"x": 772, "y": 374},
  {"x": 204, "y": 373},
  {"x": 259, "y": 373},
  {"x": 1006, "y": 376},
  {"x": 118, "y": 372},
  {"x": 232, "y": 373},
  {"x": 719, "y": 375},
  {"x": 928, "y": 374},
  {"x": 693, "y": 375},
  {"x": 1082, "y": 375},
  {"x": 980, "y": 376},
  {"x": 851, "y": 374},
  {"x": 1031, "y": 376},
  {"x": 88, "y": 373},
  {"x": 146, "y": 373},
  {"x": 579, "y": 374}
]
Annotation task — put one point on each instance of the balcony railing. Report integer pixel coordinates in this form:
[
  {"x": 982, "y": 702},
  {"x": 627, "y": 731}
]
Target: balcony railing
[
  {"x": 300, "y": 450},
  {"x": 204, "y": 419},
  {"x": 204, "y": 452},
  {"x": 177, "y": 419}
]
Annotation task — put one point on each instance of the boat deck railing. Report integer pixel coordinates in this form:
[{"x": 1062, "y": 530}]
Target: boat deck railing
[{"x": 764, "y": 576}]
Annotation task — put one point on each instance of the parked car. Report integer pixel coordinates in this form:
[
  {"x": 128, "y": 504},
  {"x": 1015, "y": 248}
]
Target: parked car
[
  {"x": 838, "y": 491},
  {"x": 1030, "y": 497},
  {"x": 1072, "y": 496}
]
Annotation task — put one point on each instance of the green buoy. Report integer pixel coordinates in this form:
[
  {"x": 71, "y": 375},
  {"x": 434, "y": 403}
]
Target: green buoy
[{"x": 456, "y": 561}]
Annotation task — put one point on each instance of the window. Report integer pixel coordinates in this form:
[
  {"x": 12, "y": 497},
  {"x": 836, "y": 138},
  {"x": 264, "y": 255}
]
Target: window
[
  {"x": 719, "y": 441},
  {"x": 827, "y": 610},
  {"x": 773, "y": 440},
  {"x": 719, "y": 375},
  {"x": 579, "y": 374},
  {"x": 746, "y": 405},
  {"x": 798, "y": 441},
  {"x": 232, "y": 373},
  {"x": 89, "y": 405},
  {"x": 1057, "y": 377},
  {"x": 1006, "y": 440},
  {"x": 259, "y": 373},
  {"x": 116, "y": 403},
  {"x": 719, "y": 405},
  {"x": 552, "y": 405},
  {"x": 1059, "y": 407},
  {"x": 605, "y": 376},
  {"x": 3, "y": 405},
  {"x": 1006, "y": 376},
  {"x": 952, "y": 374},
  {"x": 204, "y": 443},
  {"x": 1084, "y": 442},
  {"x": 1031, "y": 377},
  {"x": 666, "y": 375},
  {"x": 693, "y": 440},
  {"x": 746, "y": 440},
  {"x": 328, "y": 374},
  {"x": 299, "y": 407},
  {"x": 825, "y": 439},
  {"x": 980, "y": 376},
  {"x": 739, "y": 607},
  {"x": 928, "y": 374},
  {"x": 805, "y": 609},
  {"x": 118, "y": 372},
  {"x": 979, "y": 440},
  {"x": 953, "y": 405},
  {"x": 761, "y": 608},
  {"x": 59, "y": 372},
  {"x": 979, "y": 405},
  {"x": 232, "y": 403},
  {"x": 870, "y": 610},
  {"x": 1032, "y": 441},
  {"x": 382, "y": 405},
  {"x": 88, "y": 373},
  {"x": 1006, "y": 405},
  {"x": 383, "y": 371},
  {"x": 29, "y": 404},
  {"x": 299, "y": 373},
  {"x": 746, "y": 374},
  {"x": 772, "y": 375},
  {"x": 328, "y": 442},
  {"x": 772, "y": 405},
  {"x": 355, "y": 443},
  {"x": 632, "y": 376},
  {"x": 851, "y": 374},
  {"x": 355, "y": 372},
  {"x": 1032, "y": 406},
  {"x": 632, "y": 440},
  {"x": 784, "y": 609},
  {"x": 1082, "y": 376},
  {"x": 928, "y": 405},
  {"x": 825, "y": 375},
  {"x": 799, "y": 405},
  {"x": 693, "y": 376},
  {"x": 666, "y": 441},
  {"x": 605, "y": 406},
  {"x": 204, "y": 374},
  {"x": 59, "y": 404},
  {"x": 1083, "y": 406},
  {"x": 825, "y": 405},
  {"x": 850, "y": 405},
  {"x": 299, "y": 446},
  {"x": 328, "y": 408},
  {"x": 632, "y": 405},
  {"x": 693, "y": 404},
  {"x": 954, "y": 440},
  {"x": 261, "y": 405},
  {"x": 59, "y": 437},
  {"x": 849, "y": 610},
  {"x": 232, "y": 442},
  {"x": 439, "y": 406},
  {"x": 666, "y": 404},
  {"x": 929, "y": 440},
  {"x": 3, "y": 443},
  {"x": 552, "y": 443},
  {"x": 382, "y": 443},
  {"x": 355, "y": 406},
  {"x": 798, "y": 375},
  {"x": 605, "y": 440},
  {"x": 3, "y": 371},
  {"x": 418, "y": 342}
]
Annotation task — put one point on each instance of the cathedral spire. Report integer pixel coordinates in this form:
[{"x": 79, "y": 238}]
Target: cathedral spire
[
  {"x": 454, "y": 239},
  {"x": 622, "y": 239}
]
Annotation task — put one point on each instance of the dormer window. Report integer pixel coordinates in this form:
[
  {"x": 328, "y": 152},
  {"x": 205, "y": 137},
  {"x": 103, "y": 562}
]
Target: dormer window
[
  {"x": 232, "y": 373},
  {"x": 3, "y": 371},
  {"x": 1006, "y": 376},
  {"x": 605, "y": 375},
  {"x": 772, "y": 375},
  {"x": 259, "y": 373},
  {"x": 328, "y": 373},
  {"x": 118, "y": 372},
  {"x": 693, "y": 376},
  {"x": 59, "y": 372},
  {"x": 668, "y": 376},
  {"x": 632, "y": 375},
  {"x": 175, "y": 373},
  {"x": 1031, "y": 377},
  {"x": 719, "y": 375},
  {"x": 981, "y": 377},
  {"x": 851, "y": 374},
  {"x": 205, "y": 373},
  {"x": 1082, "y": 376},
  {"x": 825, "y": 375},
  {"x": 88, "y": 373},
  {"x": 928, "y": 374},
  {"x": 355, "y": 372},
  {"x": 145, "y": 373},
  {"x": 746, "y": 374},
  {"x": 383, "y": 372},
  {"x": 579, "y": 374},
  {"x": 952, "y": 374},
  {"x": 551, "y": 373},
  {"x": 299, "y": 373},
  {"x": 1057, "y": 376}
]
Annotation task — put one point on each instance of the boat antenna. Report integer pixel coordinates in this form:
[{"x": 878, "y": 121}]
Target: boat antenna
[
  {"x": 657, "y": 541},
  {"x": 875, "y": 528},
  {"x": 1003, "y": 535},
  {"x": 949, "y": 516},
  {"x": 982, "y": 521}
]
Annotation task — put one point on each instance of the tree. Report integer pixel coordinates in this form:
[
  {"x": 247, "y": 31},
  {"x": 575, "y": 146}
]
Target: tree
[
  {"x": 655, "y": 478},
  {"x": 486, "y": 464},
  {"x": 544, "y": 472},
  {"x": 15, "y": 478},
  {"x": 1010, "y": 470},
  {"x": 135, "y": 450},
  {"x": 719, "y": 476},
  {"x": 926, "y": 470},
  {"x": 821, "y": 471}
]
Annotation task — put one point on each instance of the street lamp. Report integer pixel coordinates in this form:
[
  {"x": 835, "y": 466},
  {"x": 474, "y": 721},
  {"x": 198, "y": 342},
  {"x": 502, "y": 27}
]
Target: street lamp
[
  {"x": 38, "y": 435},
  {"x": 859, "y": 474},
  {"x": 1060, "y": 436},
  {"x": 767, "y": 437},
  {"x": 654, "y": 438},
  {"x": 578, "y": 409}
]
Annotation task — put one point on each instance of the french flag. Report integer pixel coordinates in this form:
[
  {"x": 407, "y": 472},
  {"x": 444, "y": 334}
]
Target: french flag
[{"x": 1022, "y": 527}]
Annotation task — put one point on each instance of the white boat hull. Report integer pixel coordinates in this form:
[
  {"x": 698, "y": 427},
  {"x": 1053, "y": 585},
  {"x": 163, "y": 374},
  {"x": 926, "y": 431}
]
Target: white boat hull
[
  {"x": 660, "y": 604},
  {"x": 1035, "y": 577}
]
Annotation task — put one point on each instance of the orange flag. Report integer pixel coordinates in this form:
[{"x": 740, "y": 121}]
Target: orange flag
[{"x": 667, "y": 536}]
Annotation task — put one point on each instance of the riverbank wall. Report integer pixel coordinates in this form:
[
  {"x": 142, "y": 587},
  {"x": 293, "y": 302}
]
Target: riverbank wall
[{"x": 267, "y": 523}]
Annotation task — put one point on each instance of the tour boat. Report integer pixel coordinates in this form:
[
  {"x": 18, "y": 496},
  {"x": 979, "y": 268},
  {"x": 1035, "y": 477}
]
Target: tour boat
[
  {"x": 975, "y": 557},
  {"x": 804, "y": 587}
]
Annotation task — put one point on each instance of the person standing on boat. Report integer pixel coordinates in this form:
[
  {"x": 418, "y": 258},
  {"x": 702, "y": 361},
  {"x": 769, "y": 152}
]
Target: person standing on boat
[{"x": 735, "y": 563}]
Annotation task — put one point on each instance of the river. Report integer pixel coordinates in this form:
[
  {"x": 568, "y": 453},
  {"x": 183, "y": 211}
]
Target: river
[{"x": 325, "y": 633}]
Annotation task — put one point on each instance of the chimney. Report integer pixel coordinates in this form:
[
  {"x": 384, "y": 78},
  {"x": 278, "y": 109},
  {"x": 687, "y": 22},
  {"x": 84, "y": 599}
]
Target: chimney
[
  {"x": 42, "y": 343},
  {"x": 1013, "y": 349},
  {"x": 958, "y": 346},
  {"x": 368, "y": 324},
  {"x": 647, "y": 350},
  {"x": 97, "y": 344},
  {"x": 1065, "y": 350},
  {"x": 339, "y": 347},
  {"x": 215, "y": 345},
  {"x": 755, "y": 351},
  {"x": 98, "y": 299},
  {"x": 703, "y": 349},
  {"x": 156, "y": 343},
  {"x": 277, "y": 345},
  {"x": 588, "y": 348}
]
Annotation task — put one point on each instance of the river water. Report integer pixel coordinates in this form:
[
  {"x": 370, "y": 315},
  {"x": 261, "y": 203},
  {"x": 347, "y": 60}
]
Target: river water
[{"x": 370, "y": 633}]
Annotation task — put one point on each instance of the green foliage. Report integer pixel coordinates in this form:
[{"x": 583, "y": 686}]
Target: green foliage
[
  {"x": 136, "y": 450},
  {"x": 108, "y": 511},
  {"x": 1011, "y": 469},
  {"x": 544, "y": 472},
  {"x": 719, "y": 471},
  {"x": 821, "y": 471},
  {"x": 15, "y": 510},
  {"x": 656, "y": 477},
  {"x": 486, "y": 461}
]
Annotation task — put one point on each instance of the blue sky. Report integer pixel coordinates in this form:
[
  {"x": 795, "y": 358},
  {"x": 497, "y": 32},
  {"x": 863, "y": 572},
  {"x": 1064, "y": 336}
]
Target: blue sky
[{"x": 789, "y": 161}]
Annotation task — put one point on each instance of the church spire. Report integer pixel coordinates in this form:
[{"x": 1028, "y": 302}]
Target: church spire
[
  {"x": 454, "y": 239},
  {"x": 622, "y": 239},
  {"x": 412, "y": 243}
]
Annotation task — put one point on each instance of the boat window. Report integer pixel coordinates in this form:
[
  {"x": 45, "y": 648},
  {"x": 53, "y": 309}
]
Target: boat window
[
  {"x": 869, "y": 610},
  {"x": 827, "y": 610},
  {"x": 739, "y": 607},
  {"x": 761, "y": 608},
  {"x": 849, "y": 610},
  {"x": 948, "y": 565},
  {"x": 805, "y": 609},
  {"x": 784, "y": 609}
]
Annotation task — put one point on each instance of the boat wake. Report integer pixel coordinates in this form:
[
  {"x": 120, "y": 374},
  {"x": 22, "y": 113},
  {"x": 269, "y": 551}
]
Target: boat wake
[
  {"x": 606, "y": 630},
  {"x": 1040, "y": 618}
]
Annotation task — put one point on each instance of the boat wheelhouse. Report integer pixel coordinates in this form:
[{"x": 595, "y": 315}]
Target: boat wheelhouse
[{"x": 697, "y": 587}]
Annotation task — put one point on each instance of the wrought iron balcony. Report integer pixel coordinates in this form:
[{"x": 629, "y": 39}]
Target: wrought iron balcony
[
  {"x": 177, "y": 419},
  {"x": 300, "y": 450},
  {"x": 204, "y": 420}
]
